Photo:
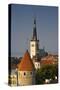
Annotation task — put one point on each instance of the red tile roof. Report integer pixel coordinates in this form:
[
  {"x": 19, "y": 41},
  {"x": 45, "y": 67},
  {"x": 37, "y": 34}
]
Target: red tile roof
[
  {"x": 47, "y": 62},
  {"x": 26, "y": 63}
]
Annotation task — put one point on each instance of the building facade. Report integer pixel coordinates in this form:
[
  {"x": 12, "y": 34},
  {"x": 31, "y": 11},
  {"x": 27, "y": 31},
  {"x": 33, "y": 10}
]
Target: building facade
[{"x": 13, "y": 78}]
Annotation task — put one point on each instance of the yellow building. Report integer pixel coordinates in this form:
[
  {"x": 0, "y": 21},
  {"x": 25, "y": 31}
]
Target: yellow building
[{"x": 13, "y": 78}]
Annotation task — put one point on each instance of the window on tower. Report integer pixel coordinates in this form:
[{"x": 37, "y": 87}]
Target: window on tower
[
  {"x": 32, "y": 45},
  {"x": 24, "y": 73},
  {"x": 31, "y": 73}
]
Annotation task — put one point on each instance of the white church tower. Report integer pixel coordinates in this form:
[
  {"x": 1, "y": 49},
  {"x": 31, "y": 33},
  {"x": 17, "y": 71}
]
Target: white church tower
[{"x": 34, "y": 42}]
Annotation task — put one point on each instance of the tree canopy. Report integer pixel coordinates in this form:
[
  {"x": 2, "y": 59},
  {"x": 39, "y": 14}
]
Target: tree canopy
[{"x": 46, "y": 72}]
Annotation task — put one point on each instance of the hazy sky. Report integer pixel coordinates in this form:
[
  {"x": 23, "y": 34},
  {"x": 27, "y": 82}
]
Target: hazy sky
[{"x": 22, "y": 18}]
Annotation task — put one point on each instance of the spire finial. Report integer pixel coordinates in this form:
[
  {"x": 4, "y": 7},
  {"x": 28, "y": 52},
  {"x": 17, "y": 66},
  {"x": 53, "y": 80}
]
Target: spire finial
[{"x": 35, "y": 20}]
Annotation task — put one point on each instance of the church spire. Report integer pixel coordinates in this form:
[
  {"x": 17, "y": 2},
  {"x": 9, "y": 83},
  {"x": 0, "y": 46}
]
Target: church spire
[
  {"x": 34, "y": 42},
  {"x": 34, "y": 31}
]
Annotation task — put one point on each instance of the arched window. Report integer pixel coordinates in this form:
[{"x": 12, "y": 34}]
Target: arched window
[{"x": 24, "y": 73}]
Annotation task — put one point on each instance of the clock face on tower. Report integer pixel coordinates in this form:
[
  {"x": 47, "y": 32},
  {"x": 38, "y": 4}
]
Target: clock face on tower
[{"x": 32, "y": 45}]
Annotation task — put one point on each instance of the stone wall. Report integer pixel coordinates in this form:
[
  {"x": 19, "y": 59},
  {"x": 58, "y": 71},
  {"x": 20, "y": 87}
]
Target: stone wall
[{"x": 26, "y": 78}]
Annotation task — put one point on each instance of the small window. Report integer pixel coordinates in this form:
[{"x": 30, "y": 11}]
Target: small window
[
  {"x": 31, "y": 73},
  {"x": 24, "y": 73},
  {"x": 36, "y": 64}
]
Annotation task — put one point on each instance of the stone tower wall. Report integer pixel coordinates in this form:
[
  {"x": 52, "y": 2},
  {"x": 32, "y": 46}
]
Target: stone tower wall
[{"x": 26, "y": 78}]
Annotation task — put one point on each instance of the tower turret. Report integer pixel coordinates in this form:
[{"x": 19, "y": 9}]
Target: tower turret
[{"x": 26, "y": 71}]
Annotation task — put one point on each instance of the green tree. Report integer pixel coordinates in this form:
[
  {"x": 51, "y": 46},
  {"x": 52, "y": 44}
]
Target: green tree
[{"x": 46, "y": 72}]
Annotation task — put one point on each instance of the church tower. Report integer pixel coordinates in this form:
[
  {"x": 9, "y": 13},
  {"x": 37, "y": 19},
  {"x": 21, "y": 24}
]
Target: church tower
[{"x": 34, "y": 42}]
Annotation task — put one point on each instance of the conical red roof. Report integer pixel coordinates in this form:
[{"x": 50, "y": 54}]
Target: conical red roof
[{"x": 26, "y": 63}]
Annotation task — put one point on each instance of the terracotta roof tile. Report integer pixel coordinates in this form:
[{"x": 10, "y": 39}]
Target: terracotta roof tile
[
  {"x": 47, "y": 61},
  {"x": 26, "y": 63}
]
